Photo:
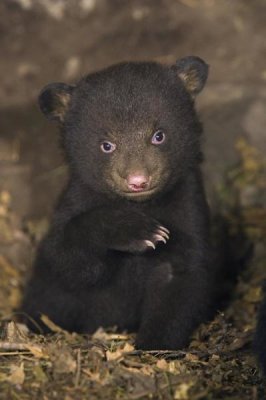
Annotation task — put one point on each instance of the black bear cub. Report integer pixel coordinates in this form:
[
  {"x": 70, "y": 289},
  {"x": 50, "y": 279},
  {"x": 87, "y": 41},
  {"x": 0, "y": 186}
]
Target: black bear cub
[{"x": 129, "y": 242}]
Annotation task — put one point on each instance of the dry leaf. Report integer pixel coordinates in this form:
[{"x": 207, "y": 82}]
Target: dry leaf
[
  {"x": 100, "y": 334},
  {"x": 147, "y": 370},
  {"x": 114, "y": 355},
  {"x": 162, "y": 364},
  {"x": 39, "y": 373},
  {"x": 17, "y": 376},
  {"x": 98, "y": 350},
  {"x": 15, "y": 332},
  {"x": 64, "y": 362},
  {"x": 128, "y": 348},
  {"x": 94, "y": 376},
  {"x": 192, "y": 357},
  {"x": 176, "y": 367},
  {"x": 181, "y": 392},
  {"x": 36, "y": 350}
]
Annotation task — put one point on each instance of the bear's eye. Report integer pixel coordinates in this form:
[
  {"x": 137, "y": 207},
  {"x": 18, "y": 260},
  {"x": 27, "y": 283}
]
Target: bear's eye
[
  {"x": 108, "y": 147},
  {"x": 158, "y": 137}
]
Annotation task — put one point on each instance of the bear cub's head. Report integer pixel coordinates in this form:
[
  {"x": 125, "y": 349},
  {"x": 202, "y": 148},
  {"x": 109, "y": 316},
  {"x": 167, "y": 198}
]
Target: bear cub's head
[{"x": 131, "y": 129}]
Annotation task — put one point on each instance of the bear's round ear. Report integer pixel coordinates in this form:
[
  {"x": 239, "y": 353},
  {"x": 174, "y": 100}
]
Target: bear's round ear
[
  {"x": 54, "y": 100},
  {"x": 193, "y": 72}
]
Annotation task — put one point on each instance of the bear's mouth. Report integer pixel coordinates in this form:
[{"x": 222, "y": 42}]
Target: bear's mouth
[{"x": 141, "y": 193}]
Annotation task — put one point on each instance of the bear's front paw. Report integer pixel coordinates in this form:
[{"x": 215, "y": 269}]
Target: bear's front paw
[
  {"x": 153, "y": 238},
  {"x": 161, "y": 234},
  {"x": 139, "y": 234}
]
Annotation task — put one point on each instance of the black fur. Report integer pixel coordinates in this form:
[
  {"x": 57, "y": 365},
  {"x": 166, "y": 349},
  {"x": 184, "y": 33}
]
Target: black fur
[{"x": 94, "y": 267}]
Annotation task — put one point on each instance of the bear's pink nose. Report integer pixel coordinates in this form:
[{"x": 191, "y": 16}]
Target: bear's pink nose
[{"x": 138, "y": 182}]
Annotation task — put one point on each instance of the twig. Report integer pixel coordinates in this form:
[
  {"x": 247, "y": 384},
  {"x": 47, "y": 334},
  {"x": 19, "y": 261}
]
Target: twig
[
  {"x": 14, "y": 353},
  {"x": 34, "y": 349},
  {"x": 77, "y": 378},
  {"x": 12, "y": 346},
  {"x": 168, "y": 353}
]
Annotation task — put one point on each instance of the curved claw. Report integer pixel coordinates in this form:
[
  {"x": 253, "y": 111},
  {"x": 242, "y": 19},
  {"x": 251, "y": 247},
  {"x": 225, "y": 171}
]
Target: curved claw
[
  {"x": 149, "y": 244},
  {"x": 163, "y": 234},
  {"x": 160, "y": 238},
  {"x": 164, "y": 229}
]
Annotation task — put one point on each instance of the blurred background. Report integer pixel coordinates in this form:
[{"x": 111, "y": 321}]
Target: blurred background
[{"x": 43, "y": 41}]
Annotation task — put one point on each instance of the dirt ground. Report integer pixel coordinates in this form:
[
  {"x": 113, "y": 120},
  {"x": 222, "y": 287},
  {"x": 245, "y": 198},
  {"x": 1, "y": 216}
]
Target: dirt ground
[{"x": 43, "y": 41}]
